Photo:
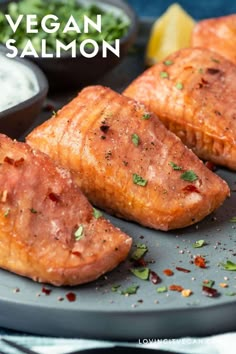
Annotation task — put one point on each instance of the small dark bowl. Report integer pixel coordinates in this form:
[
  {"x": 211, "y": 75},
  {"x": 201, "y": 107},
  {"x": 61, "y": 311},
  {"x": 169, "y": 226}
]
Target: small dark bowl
[
  {"x": 68, "y": 73},
  {"x": 15, "y": 120}
]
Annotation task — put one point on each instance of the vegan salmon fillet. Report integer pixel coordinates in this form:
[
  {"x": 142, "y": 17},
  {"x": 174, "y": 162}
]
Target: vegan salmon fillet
[
  {"x": 193, "y": 92},
  {"x": 127, "y": 162},
  {"x": 218, "y": 35},
  {"x": 48, "y": 230}
]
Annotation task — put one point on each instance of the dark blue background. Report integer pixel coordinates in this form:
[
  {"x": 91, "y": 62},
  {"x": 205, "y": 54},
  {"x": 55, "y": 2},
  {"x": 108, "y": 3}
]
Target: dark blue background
[{"x": 199, "y": 9}]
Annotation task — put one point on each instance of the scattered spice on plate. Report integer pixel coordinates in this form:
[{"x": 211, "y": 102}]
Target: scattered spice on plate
[
  {"x": 210, "y": 292},
  {"x": 46, "y": 291},
  {"x": 200, "y": 262},
  {"x": 229, "y": 266},
  {"x": 154, "y": 277},
  {"x": 230, "y": 293},
  {"x": 180, "y": 269},
  {"x": 208, "y": 283},
  {"x": 141, "y": 273},
  {"x": 131, "y": 290},
  {"x": 223, "y": 285},
  {"x": 168, "y": 272},
  {"x": 115, "y": 288},
  {"x": 60, "y": 298},
  {"x": 186, "y": 292},
  {"x": 175, "y": 287},
  {"x": 71, "y": 297},
  {"x": 141, "y": 250},
  {"x": 199, "y": 244},
  {"x": 104, "y": 128},
  {"x": 162, "y": 289}
]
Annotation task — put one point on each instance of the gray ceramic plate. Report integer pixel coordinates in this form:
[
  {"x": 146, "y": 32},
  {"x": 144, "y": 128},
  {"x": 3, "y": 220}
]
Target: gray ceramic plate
[{"x": 98, "y": 312}]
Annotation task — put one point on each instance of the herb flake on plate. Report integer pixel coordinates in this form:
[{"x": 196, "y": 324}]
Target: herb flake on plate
[
  {"x": 141, "y": 273},
  {"x": 229, "y": 265}
]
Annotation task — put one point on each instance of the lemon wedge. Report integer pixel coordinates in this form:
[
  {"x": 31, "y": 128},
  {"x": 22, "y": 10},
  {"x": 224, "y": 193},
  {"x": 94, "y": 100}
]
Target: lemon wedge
[{"x": 170, "y": 32}]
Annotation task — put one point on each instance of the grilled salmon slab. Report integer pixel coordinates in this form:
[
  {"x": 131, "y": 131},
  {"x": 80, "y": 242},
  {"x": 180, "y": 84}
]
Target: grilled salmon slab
[
  {"x": 218, "y": 35},
  {"x": 193, "y": 92},
  {"x": 48, "y": 230},
  {"x": 127, "y": 162}
]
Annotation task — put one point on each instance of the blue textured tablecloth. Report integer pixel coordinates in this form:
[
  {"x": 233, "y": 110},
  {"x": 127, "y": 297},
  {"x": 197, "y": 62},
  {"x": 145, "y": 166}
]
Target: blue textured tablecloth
[{"x": 198, "y": 9}]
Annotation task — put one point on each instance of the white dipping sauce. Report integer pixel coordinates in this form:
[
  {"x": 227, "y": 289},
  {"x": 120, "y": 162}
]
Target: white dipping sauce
[{"x": 17, "y": 82}]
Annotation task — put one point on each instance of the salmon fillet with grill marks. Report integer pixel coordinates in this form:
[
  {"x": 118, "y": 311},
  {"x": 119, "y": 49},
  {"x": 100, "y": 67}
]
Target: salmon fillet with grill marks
[
  {"x": 193, "y": 92},
  {"x": 218, "y": 35},
  {"x": 127, "y": 162},
  {"x": 48, "y": 231}
]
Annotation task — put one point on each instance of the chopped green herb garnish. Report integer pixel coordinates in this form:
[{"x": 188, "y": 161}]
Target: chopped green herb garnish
[
  {"x": 201, "y": 71},
  {"x": 215, "y": 60},
  {"x": 164, "y": 75},
  {"x": 208, "y": 283},
  {"x": 139, "y": 180},
  {"x": 189, "y": 176},
  {"x": 233, "y": 219},
  {"x": 131, "y": 290},
  {"x": 168, "y": 62},
  {"x": 179, "y": 86},
  {"x": 146, "y": 116},
  {"x": 7, "y": 212},
  {"x": 229, "y": 265},
  {"x": 97, "y": 213},
  {"x": 230, "y": 293},
  {"x": 162, "y": 289},
  {"x": 54, "y": 113},
  {"x": 199, "y": 243},
  {"x": 140, "y": 251},
  {"x": 141, "y": 273},
  {"x": 114, "y": 25},
  {"x": 174, "y": 166},
  {"x": 79, "y": 233},
  {"x": 114, "y": 288},
  {"x": 33, "y": 211},
  {"x": 135, "y": 139}
]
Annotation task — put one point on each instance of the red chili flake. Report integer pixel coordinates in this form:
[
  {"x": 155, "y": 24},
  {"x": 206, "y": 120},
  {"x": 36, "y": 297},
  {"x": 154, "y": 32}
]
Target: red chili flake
[
  {"x": 140, "y": 263},
  {"x": 211, "y": 292},
  {"x": 204, "y": 82},
  {"x": 76, "y": 253},
  {"x": 54, "y": 197},
  {"x": 104, "y": 128},
  {"x": 9, "y": 160},
  {"x": 19, "y": 162},
  {"x": 168, "y": 272},
  {"x": 46, "y": 291},
  {"x": 213, "y": 71},
  {"x": 210, "y": 165},
  {"x": 155, "y": 279},
  {"x": 200, "y": 262},
  {"x": 174, "y": 287},
  {"x": 183, "y": 270},
  {"x": 191, "y": 188},
  {"x": 71, "y": 296}
]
